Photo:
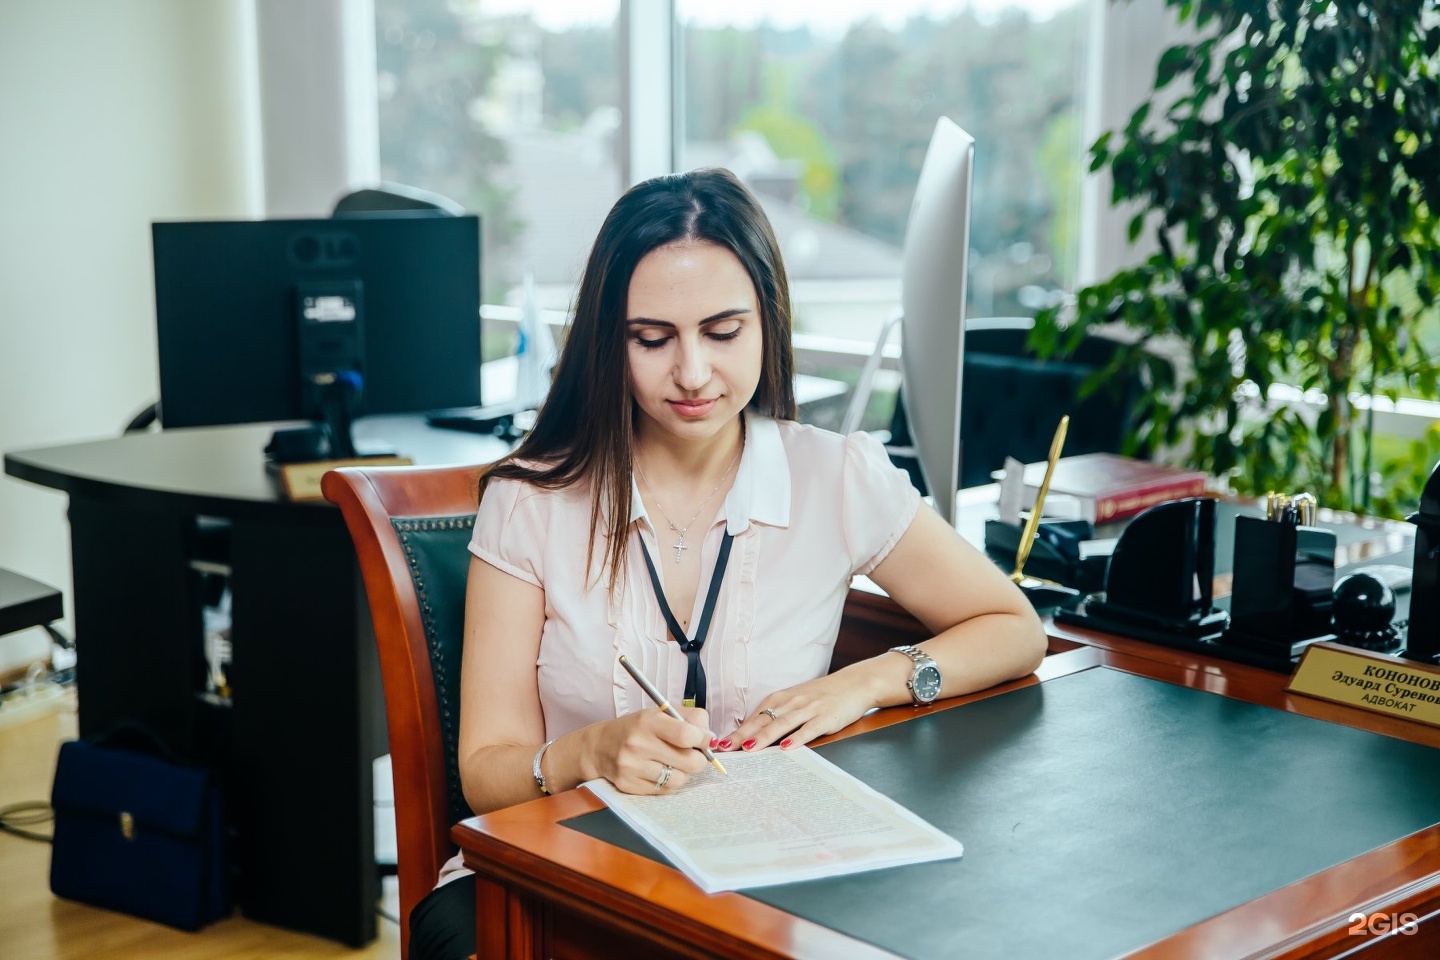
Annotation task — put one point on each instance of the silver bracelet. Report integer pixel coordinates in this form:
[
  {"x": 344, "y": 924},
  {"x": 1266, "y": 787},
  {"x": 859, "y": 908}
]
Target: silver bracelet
[{"x": 535, "y": 768}]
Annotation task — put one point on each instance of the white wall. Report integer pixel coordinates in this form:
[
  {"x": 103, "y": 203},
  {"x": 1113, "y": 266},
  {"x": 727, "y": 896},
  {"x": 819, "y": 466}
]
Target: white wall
[
  {"x": 317, "y": 102},
  {"x": 113, "y": 113}
]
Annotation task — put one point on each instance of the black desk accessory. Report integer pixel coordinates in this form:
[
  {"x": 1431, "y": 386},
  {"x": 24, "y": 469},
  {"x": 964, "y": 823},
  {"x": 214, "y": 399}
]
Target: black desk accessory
[
  {"x": 1284, "y": 580},
  {"x": 1065, "y": 536},
  {"x": 319, "y": 442},
  {"x": 1159, "y": 585},
  {"x": 1056, "y": 554},
  {"x": 300, "y": 445},
  {"x": 495, "y": 419},
  {"x": 1363, "y": 611},
  {"x": 1423, "y": 639},
  {"x": 1044, "y": 595}
]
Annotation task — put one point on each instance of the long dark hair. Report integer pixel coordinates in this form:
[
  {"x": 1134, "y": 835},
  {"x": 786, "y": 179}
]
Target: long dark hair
[{"x": 586, "y": 428}]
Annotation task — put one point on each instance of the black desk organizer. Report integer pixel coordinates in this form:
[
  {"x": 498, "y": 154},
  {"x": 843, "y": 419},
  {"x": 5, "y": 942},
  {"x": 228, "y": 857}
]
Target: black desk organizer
[
  {"x": 1284, "y": 582},
  {"x": 1159, "y": 584}
]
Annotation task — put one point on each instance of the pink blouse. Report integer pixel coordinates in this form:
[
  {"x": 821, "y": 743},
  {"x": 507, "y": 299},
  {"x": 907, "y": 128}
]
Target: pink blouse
[{"x": 808, "y": 510}]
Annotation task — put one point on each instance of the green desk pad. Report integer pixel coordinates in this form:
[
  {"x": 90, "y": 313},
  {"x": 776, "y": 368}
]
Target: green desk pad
[{"x": 1101, "y": 811}]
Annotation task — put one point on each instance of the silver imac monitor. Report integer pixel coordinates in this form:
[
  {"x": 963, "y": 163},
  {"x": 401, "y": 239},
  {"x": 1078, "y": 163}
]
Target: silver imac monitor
[{"x": 937, "y": 246}]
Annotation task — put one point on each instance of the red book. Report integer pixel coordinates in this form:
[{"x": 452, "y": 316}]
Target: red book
[{"x": 1110, "y": 487}]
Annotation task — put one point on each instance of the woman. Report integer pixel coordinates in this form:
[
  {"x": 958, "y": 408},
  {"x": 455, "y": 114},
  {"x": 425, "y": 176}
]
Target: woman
[{"x": 667, "y": 492}]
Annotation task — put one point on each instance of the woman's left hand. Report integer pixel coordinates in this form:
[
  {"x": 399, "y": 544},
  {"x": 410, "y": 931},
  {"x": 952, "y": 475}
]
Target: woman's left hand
[{"x": 804, "y": 712}]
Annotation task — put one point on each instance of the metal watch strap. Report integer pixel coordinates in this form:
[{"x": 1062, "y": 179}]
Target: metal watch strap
[
  {"x": 920, "y": 658},
  {"x": 535, "y": 768}
]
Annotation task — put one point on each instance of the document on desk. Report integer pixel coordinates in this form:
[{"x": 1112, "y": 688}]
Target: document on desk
[{"x": 780, "y": 816}]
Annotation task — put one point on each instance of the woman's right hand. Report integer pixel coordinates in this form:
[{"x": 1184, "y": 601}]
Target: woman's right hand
[{"x": 633, "y": 751}]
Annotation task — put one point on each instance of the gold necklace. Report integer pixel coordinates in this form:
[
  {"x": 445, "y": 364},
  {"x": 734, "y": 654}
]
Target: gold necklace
[{"x": 679, "y": 546}]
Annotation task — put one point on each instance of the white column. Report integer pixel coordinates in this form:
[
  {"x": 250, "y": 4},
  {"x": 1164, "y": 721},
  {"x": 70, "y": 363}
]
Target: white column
[
  {"x": 648, "y": 88},
  {"x": 1126, "y": 42},
  {"x": 318, "y": 105}
]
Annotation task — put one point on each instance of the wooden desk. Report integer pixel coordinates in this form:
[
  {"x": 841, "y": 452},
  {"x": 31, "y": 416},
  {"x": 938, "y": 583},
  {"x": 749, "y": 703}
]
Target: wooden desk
[
  {"x": 307, "y": 714},
  {"x": 548, "y": 890}
]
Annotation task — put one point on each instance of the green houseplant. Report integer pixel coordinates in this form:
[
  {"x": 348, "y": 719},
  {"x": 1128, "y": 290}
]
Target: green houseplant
[{"x": 1288, "y": 169}]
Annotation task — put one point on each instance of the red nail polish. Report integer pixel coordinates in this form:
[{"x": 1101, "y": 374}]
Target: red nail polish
[
  {"x": 748, "y": 744},
  {"x": 713, "y": 742},
  {"x": 725, "y": 744},
  {"x": 785, "y": 744}
]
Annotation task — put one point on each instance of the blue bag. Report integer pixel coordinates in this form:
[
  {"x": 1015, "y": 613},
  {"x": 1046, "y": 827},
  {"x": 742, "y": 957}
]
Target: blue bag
[{"x": 139, "y": 834}]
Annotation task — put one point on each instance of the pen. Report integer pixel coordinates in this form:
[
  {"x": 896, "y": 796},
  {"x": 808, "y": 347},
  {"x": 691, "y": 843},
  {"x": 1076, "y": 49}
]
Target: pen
[
  {"x": 1299, "y": 509},
  {"x": 1305, "y": 506},
  {"x": 1032, "y": 522},
  {"x": 664, "y": 705}
]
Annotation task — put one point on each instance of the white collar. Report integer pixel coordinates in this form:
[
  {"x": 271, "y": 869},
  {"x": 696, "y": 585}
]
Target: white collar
[{"x": 761, "y": 491}]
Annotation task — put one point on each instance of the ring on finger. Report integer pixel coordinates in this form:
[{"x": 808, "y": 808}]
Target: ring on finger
[
  {"x": 664, "y": 777},
  {"x": 770, "y": 713}
]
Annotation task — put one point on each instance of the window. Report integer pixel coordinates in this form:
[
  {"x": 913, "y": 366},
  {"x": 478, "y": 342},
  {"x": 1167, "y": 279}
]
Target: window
[
  {"x": 511, "y": 109},
  {"x": 824, "y": 107}
]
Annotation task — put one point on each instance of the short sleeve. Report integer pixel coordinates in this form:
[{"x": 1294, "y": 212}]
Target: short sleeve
[
  {"x": 510, "y": 530},
  {"x": 878, "y": 502}
]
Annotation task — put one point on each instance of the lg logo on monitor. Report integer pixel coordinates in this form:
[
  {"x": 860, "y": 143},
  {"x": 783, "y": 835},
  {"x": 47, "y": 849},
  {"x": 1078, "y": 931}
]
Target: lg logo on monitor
[{"x": 327, "y": 249}]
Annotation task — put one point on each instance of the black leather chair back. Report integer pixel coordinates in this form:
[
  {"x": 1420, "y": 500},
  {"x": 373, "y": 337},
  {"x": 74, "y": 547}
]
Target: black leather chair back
[{"x": 436, "y": 549}]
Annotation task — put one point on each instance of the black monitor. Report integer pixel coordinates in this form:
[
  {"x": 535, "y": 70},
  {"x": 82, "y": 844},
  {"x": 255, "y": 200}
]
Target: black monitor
[{"x": 261, "y": 320}]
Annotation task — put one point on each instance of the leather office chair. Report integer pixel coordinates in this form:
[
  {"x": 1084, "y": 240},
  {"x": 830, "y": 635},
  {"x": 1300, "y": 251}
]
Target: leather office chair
[
  {"x": 411, "y": 526},
  {"x": 394, "y": 198},
  {"x": 1011, "y": 402}
]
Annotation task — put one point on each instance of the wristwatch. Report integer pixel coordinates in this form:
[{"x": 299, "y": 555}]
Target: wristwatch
[{"x": 924, "y": 682}]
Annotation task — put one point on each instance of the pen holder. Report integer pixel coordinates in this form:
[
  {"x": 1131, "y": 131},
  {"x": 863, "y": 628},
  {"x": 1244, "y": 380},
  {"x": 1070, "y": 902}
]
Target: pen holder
[
  {"x": 1055, "y": 555},
  {"x": 1159, "y": 583},
  {"x": 1047, "y": 597},
  {"x": 1284, "y": 581},
  {"x": 1423, "y": 635}
]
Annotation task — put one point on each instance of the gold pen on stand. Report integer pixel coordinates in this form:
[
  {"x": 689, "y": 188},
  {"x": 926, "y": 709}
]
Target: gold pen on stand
[
  {"x": 1032, "y": 522},
  {"x": 664, "y": 705}
]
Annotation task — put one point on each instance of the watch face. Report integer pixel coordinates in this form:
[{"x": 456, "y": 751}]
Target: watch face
[{"x": 926, "y": 683}]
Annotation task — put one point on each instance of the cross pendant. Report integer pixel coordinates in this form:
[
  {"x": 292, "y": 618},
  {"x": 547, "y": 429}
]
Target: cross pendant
[{"x": 679, "y": 547}]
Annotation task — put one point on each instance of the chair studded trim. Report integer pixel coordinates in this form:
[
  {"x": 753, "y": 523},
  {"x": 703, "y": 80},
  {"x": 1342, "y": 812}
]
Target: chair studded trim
[{"x": 437, "y": 555}]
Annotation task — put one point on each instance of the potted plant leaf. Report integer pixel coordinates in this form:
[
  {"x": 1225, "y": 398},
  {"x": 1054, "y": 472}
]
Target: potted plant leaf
[{"x": 1288, "y": 169}]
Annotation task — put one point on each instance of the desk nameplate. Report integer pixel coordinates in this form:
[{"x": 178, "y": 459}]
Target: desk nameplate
[
  {"x": 301, "y": 481},
  {"x": 1370, "y": 681}
]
